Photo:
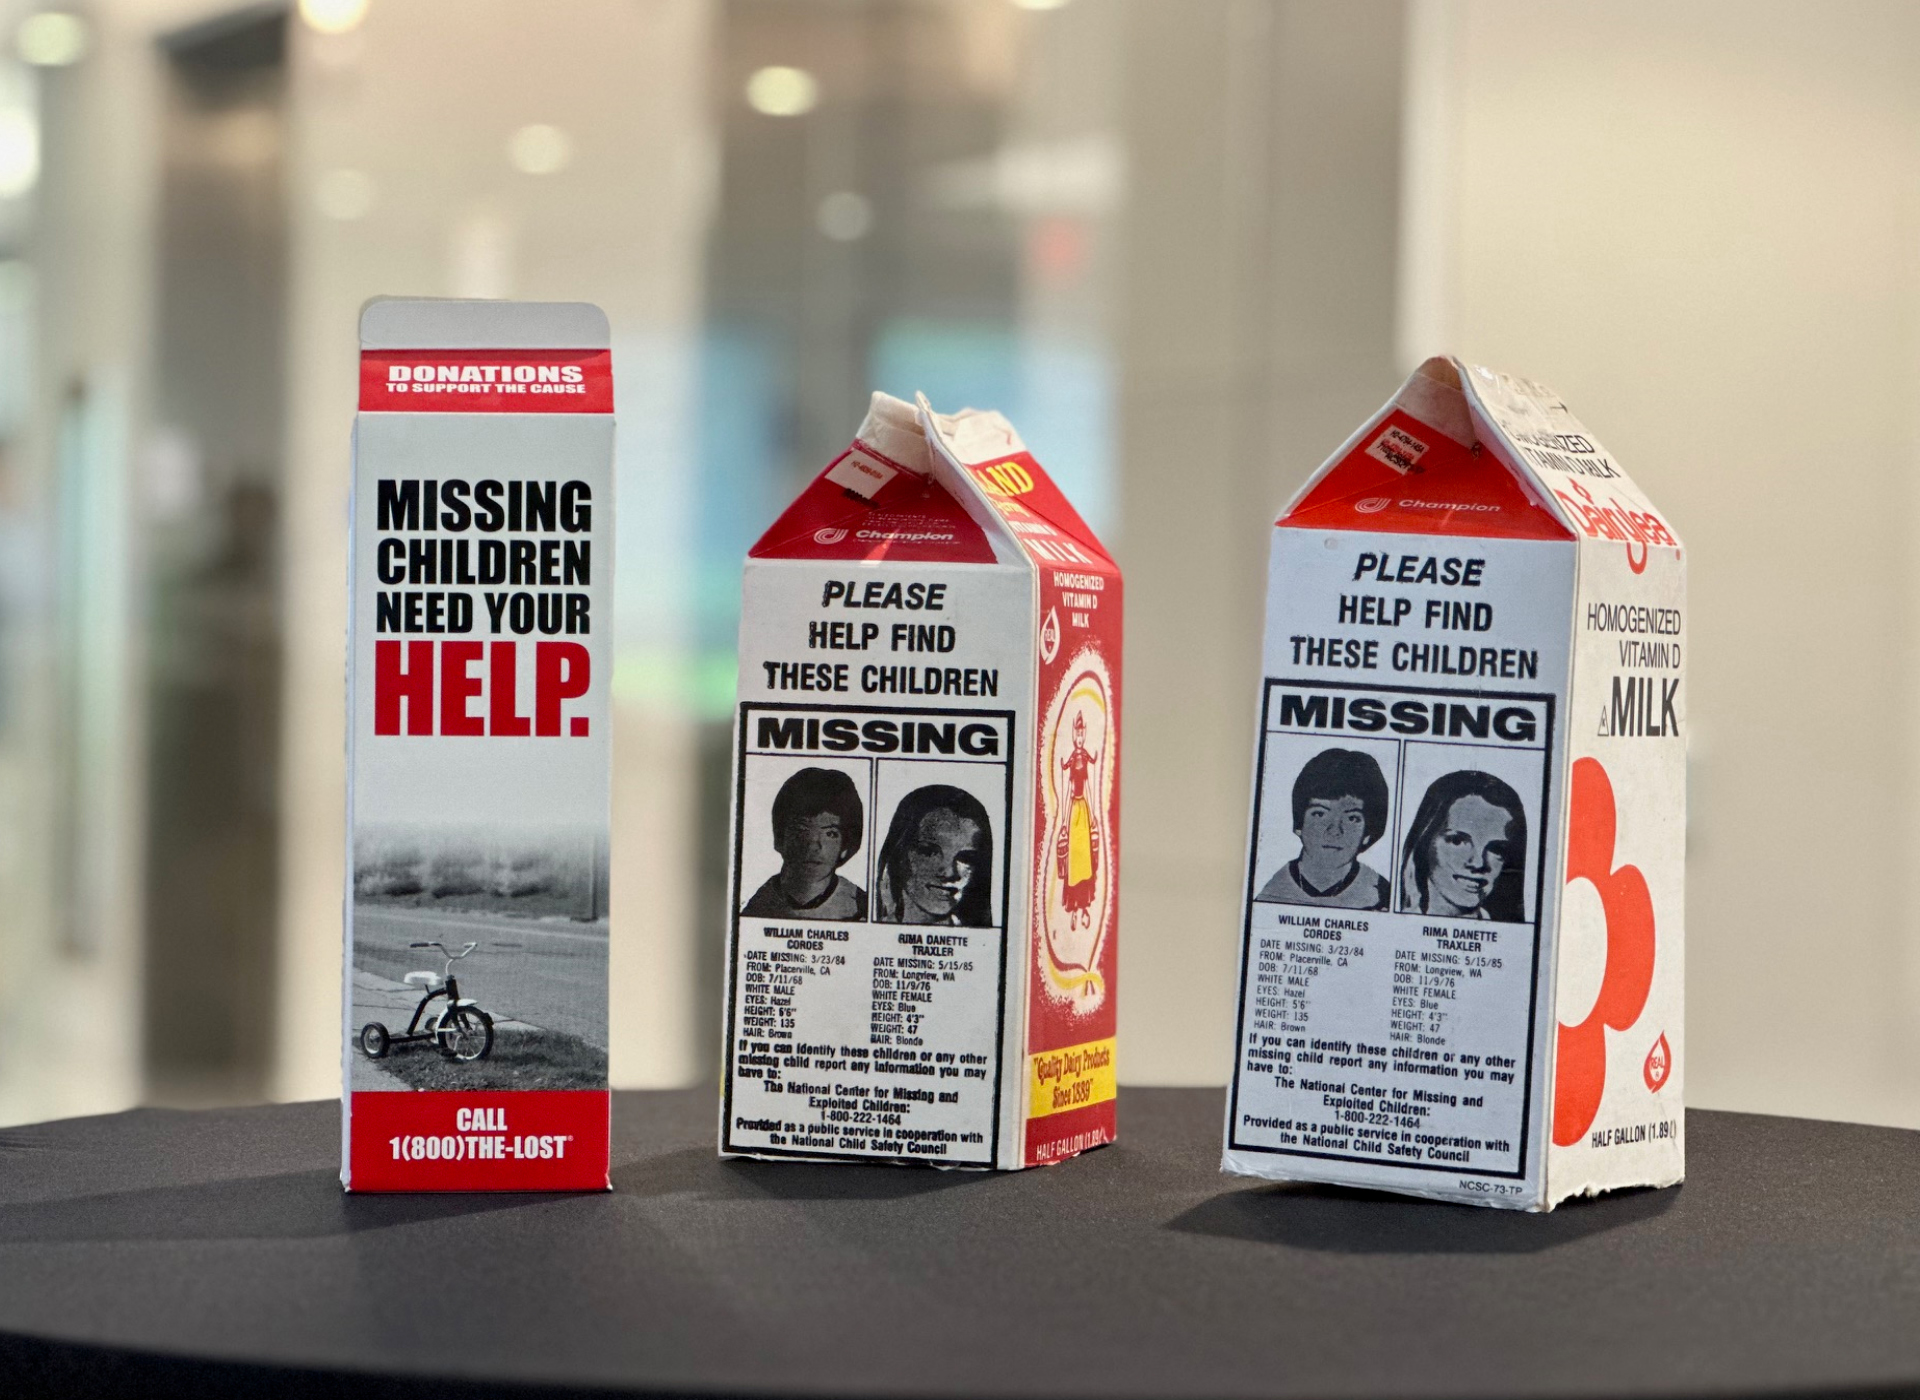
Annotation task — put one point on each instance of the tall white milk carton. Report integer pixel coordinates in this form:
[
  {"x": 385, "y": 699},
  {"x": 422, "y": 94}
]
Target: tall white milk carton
[
  {"x": 1461, "y": 965},
  {"x": 479, "y": 660},
  {"x": 922, "y": 936}
]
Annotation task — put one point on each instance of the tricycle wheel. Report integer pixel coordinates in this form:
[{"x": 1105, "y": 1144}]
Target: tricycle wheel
[
  {"x": 464, "y": 1034},
  {"x": 374, "y": 1040}
]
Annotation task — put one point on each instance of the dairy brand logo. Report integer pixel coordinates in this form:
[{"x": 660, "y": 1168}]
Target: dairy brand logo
[
  {"x": 1076, "y": 892},
  {"x": 1614, "y": 520},
  {"x": 1372, "y": 505},
  {"x": 829, "y": 534},
  {"x": 1448, "y": 505},
  {"x": 907, "y": 536},
  {"x": 1050, "y": 636},
  {"x": 1004, "y": 479},
  {"x": 1582, "y": 1079},
  {"x": 1659, "y": 1064}
]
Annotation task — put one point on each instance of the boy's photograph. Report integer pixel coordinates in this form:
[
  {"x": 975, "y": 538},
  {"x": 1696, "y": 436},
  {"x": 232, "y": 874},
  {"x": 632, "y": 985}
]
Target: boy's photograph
[
  {"x": 814, "y": 825},
  {"x": 1337, "y": 807}
]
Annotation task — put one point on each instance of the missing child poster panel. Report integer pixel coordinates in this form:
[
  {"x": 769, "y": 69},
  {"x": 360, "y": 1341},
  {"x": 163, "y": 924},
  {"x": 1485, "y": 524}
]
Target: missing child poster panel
[
  {"x": 869, "y": 932},
  {"x": 1388, "y": 977}
]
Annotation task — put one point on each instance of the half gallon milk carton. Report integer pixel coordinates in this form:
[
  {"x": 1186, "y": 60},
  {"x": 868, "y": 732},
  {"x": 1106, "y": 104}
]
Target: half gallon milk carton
[
  {"x": 1461, "y": 963},
  {"x": 926, "y": 786},
  {"x": 477, "y": 749}
]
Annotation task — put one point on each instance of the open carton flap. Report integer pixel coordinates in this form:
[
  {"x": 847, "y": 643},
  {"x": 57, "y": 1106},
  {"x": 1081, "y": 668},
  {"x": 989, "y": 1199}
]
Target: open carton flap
[
  {"x": 1010, "y": 491},
  {"x": 1423, "y": 466},
  {"x": 920, "y": 486},
  {"x": 887, "y": 497},
  {"x": 1471, "y": 451}
]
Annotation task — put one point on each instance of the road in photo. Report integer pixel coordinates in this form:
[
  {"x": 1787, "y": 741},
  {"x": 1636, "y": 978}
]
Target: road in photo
[{"x": 555, "y": 979}]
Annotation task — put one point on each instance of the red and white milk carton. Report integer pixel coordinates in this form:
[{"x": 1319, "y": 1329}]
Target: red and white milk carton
[
  {"x": 1462, "y": 968},
  {"x": 478, "y": 728},
  {"x": 922, "y": 934}
]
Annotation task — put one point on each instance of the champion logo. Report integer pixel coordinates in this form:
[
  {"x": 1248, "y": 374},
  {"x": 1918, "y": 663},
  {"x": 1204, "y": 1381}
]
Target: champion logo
[
  {"x": 1371, "y": 505},
  {"x": 829, "y": 535},
  {"x": 1449, "y": 505}
]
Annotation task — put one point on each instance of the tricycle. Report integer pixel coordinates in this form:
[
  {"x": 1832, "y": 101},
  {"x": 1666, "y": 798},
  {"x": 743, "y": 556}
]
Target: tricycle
[{"x": 460, "y": 1029}]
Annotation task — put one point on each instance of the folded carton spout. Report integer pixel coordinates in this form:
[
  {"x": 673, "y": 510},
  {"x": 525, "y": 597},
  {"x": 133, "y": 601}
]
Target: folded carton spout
[
  {"x": 1434, "y": 396},
  {"x": 972, "y": 435},
  {"x": 891, "y": 431}
]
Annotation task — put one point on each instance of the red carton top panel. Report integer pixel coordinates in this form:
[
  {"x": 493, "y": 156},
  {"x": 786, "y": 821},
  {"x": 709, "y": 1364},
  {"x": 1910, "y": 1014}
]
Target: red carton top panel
[
  {"x": 911, "y": 519},
  {"x": 486, "y": 381},
  {"x": 1039, "y": 513},
  {"x": 1404, "y": 477}
]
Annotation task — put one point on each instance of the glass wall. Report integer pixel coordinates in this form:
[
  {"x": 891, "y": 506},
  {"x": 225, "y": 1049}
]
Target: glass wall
[
  {"x": 1185, "y": 247},
  {"x": 782, "y": 206}
]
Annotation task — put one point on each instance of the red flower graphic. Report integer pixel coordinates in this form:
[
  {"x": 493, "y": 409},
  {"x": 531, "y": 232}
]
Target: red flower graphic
[{"x": 1582, "y": 1072}]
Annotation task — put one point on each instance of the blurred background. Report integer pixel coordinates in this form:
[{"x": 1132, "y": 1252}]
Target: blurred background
[{"x": 1186, "y": 246}]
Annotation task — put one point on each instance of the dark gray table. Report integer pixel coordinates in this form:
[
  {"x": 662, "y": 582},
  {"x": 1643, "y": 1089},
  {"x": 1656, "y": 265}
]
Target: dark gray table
[{"x": 213, "y": 1253}]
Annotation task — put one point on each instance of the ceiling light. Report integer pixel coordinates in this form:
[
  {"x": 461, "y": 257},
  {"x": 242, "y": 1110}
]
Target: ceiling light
[
  {"x": 779, "y": 91},
  {"x": 333, "y": 16},
  {"x": 51, "y": 39},
  {"x": 1041, "y": 4},
  {"x": 539, "y": 149},
  {"x": 19, "y": 153}
]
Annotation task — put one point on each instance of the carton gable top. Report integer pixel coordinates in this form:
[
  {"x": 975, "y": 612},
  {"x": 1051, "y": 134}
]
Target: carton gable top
[
  {"x": 433, "y": 323},
  {"x": 985, "y": 450},
  {"x": 421, "y": 355},
  {"x": 872, "y": 506},
  {"x": 1469, "y": 451},
  {"x": 919, "y": 487}
]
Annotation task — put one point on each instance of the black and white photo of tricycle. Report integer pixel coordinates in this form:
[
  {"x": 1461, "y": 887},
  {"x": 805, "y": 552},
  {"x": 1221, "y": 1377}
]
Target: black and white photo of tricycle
[{"x": 460, "y": 1029}]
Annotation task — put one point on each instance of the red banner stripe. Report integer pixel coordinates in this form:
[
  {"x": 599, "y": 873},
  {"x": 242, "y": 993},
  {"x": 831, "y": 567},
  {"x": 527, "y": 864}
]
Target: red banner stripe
[
  {"x": 1059, "y": 1136},
  {"x": 486, "y": 381},
  {"x": 516, "y": 1140}
]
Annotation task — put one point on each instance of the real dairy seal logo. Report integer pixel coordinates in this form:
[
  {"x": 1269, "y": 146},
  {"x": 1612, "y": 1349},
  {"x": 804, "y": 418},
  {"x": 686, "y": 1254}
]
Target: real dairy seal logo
[
  {"x": 1050, "y": 637},
  {"x": 829, "y": 535},
  {"x": 1076, "y": 893},
  {"x": 1658, "y": 1065}
]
